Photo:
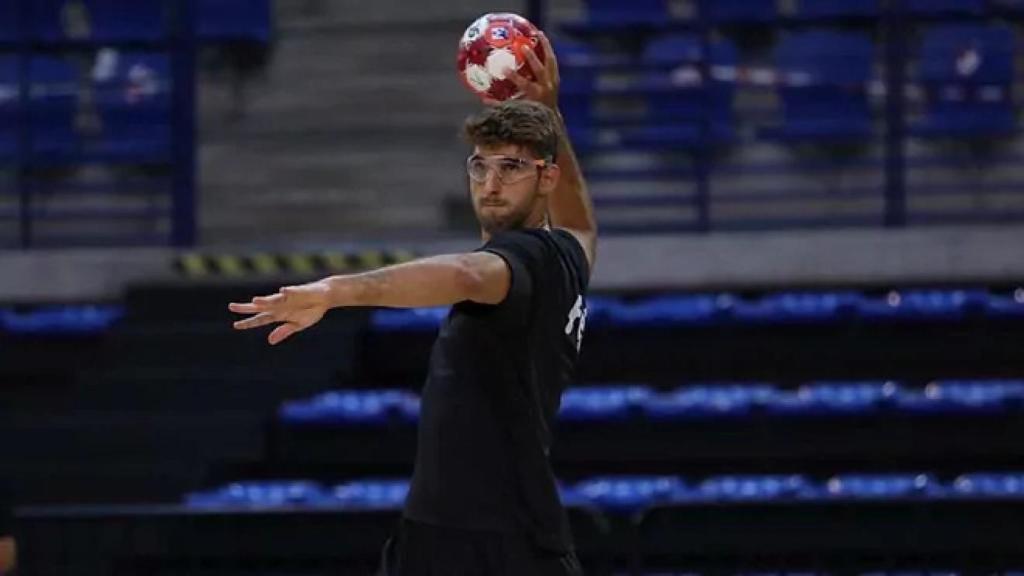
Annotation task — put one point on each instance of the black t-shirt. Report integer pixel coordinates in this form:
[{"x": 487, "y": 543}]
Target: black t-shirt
[{"x": 494, "y": 386}]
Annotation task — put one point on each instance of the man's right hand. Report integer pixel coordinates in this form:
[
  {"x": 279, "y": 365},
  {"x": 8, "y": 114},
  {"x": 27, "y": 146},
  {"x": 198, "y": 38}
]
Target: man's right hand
[{"x": 295, "y": 308}]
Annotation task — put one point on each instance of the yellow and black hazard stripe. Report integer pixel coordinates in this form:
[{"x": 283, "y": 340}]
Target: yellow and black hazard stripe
[{"x": 197, "y": 265}]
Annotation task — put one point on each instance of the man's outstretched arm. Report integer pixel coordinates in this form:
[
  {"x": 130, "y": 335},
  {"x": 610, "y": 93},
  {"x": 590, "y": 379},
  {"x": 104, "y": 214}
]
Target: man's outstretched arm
[{"x": 438, "y": 281}]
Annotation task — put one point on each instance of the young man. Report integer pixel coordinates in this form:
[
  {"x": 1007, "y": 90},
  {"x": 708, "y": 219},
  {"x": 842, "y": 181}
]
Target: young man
[{"x": 483, "y": 498}]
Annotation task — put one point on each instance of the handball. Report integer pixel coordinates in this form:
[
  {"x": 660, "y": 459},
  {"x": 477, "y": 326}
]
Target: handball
[{"x": 491, "y": 46}]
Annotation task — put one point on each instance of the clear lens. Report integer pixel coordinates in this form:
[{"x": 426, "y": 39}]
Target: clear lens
[{"x": 509, "y": 170}]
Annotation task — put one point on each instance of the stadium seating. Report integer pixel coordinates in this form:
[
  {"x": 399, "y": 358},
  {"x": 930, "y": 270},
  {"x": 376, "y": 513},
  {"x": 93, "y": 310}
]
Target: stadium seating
[
  {"x": 233, "y": 20},
  {"x": 9, "y": 15},
  {"x": 931, "y": 7},
  {"x": 836, "y": 8},
  {"x": 9, "y": 106},
  {"x": 614, "y": 13},
  {"x": 99, "y": 20},
  {"x": 967, "y": 72},
  {"x": 823, "y": 80},
  {"x": 739, "y": 11},
  {"x": 53, "y": 109},
  {"x": 133, "y": 101},
  {"x": 684, "y": 112}
]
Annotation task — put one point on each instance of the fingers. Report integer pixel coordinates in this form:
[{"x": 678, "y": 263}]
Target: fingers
[
  {"x": 539, "y": 70},
  {"x": 282, "y": 332},
  {"x": 261, "y": 319},
  {"x": 549, "y": 56},
  {"x": 247, "y": 308}
]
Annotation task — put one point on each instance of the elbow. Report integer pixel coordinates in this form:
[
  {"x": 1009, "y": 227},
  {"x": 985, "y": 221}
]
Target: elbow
[{"x": 469, "y": 280}]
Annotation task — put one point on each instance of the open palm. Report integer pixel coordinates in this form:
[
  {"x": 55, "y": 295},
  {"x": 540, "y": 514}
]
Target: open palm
[{"x": 294, "y": 308}]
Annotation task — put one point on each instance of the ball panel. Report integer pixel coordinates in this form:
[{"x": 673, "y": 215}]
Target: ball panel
[{"x": 490, "y": 46}]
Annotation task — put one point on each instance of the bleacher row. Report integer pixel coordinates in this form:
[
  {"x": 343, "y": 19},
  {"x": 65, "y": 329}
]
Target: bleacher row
[
  {"x": 705, "y": 309},
  {"x": 46, "y": 21},
  {"x": 824, "y": 79},
  {"x": 658, "y": 311},
  {"x": 629, "y": 494},
  {"x": 617, "y": 403}
]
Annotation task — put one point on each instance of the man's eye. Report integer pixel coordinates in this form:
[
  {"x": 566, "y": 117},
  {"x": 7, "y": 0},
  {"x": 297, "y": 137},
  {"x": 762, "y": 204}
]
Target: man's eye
[{"x": 510, "y": 166}]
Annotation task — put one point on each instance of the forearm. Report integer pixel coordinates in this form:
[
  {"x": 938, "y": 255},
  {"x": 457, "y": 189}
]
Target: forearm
[
  {"x": 436, "y": 281},
  {"x": 570, "y": 205}
]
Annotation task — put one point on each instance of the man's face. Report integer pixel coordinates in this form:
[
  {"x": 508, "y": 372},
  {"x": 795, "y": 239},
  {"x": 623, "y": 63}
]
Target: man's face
[{"x": 508, "y": 186}]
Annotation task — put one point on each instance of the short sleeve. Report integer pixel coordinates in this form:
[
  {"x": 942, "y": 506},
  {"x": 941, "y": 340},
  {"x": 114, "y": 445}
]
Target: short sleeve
[{"x": 524, "y": 253}]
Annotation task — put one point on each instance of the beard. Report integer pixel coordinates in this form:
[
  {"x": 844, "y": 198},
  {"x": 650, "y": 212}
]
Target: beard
[{"x": 509, "y": 217}]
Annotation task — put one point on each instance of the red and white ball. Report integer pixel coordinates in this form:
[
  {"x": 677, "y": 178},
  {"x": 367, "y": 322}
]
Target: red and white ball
[{"x": 491, "y": 46}]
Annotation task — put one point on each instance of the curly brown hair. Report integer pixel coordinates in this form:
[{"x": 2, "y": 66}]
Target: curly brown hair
[{"x": 524, "y": 123}]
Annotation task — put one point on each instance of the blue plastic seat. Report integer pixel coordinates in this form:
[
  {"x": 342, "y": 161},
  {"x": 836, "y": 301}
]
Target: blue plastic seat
[
  {"x": 134, "y": 106},
  {"x": 837, "y": 8},
  {"x": 99, "y": 20},
  {"x": 958, "y": 396},
  {"x": 68, "y": 319},
  {"x": 990, "y": 485},
  {"x": 1011, "y": 306},
  {"x": 353, "y": 408},
  {"x": 258, "y": 494},
  {"x": 936, "y": 7},
  {"x": 628, "y": 494},
  {"x": 230, "y": 20},
  {"x": 9, "y": 16},
  {"x": 10, "y": 93},
  {"x": 684, "y": 111},
  {"x": 925, "y": 304},
  {"x": 371, "y": 494},
  {"x": 823, "y": 87},
  {"x": 408, "y": 320},
  {"x": 716, "y": 400},
  {"x": 602, "y": 403},
  {"x": 967, "y": 72},
  {"x": 819, "y": 398},
  {"x": 53, "y": 108},
  {"x": 577, "y": 91},
  {"x": 883, "y": 486},
  {"x": 798, "y": 307},
  {"x": 666, "y": 311},
  {"x": 740, "y": 11},
  {"x": 615, "y": 13},
  {"x": 752, "y": 488}
]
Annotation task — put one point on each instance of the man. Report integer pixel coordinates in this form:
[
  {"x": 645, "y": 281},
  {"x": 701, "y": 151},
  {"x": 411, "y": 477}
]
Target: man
[
  {"x": 483, "y": 499},
  {"x": 8, "y": 552}
]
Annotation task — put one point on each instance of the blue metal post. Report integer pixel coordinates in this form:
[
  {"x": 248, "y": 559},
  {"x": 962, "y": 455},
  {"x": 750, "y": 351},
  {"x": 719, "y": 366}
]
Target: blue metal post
[
  {"x": 183, "y": 132},
  {"x": 23, "y": 154},
  {"x": 705, "y": 140},
  {"x": 896, "y": 53}
]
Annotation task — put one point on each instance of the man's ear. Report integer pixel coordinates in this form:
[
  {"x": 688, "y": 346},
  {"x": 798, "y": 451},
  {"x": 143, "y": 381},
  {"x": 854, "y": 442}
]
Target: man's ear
[{"x": 549, "y": 178}]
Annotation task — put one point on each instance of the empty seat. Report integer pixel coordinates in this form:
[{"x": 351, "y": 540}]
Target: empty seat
[
  {"x": 798, "y": 307},
  {"x": 924, "y": 304},
  {"x": 836, "y": 8},
  {"x": 614, "y": 13},
  {"x": 672, "y": 311},
  {"x": 710, "y": 401},
  {"x": 602, "y": 403},
  {"x": 371, "y": 494},
  {"x": 352, "y": 408},
  {"x": 883, "y": 486},
  {"x": 740, "y": 11},
  {"x": 752, "y": 488},
  {"x": 99, "y": 20},
  {"x": 53, "y": 108},
  {"x": 628, "y": 494},
  {"x": 266, "y": 494},
  {"x": 839, "y": 397},
  {"x": 133, "y": 105},
  {"x": 61, "y": 319},
  {"x": 967, "y": 72},
  {"x": 10, "y": 94},
  {"x": 683, "y": 109},
  {"x": 989, "y": 485},
  {"x": 232, "y": 20},
  {"x": 1006, "y": 306},
  {"x": 935, "y": 7},
  {"x": 823, "y": 82}
]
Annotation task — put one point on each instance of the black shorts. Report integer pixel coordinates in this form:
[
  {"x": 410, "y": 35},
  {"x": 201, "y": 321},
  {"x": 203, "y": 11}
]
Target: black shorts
[{"x": 425, "y": 550}]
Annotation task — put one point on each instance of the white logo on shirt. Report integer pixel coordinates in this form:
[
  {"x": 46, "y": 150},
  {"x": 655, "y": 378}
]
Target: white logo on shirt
[{"x": 577, "y": 321}]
